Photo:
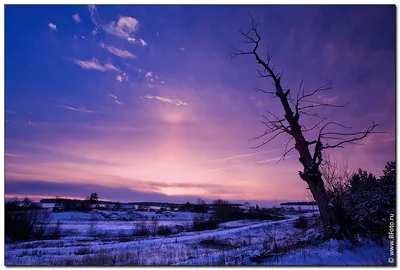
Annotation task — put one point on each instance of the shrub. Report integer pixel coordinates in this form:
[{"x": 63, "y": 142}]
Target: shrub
[
  {"x": 201, "y": 223},
  {"x": 363, "y": 204},
  {"x": 214, "y": 243},
  {"x": 164, "y": 230},
  {"x": 92, "y": 226},
  {"x": 82, "y": 251},
  {"x": 141, "y": 229},
  {"x": 223, "y": 209},
  {"x": 153, "y": 226},
  {"x": 57, "y": 230},
  {"x": 22, "y": 225},
  {"x": 301, "y": 222}
]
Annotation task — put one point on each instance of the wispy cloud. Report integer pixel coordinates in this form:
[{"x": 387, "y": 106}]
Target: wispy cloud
[
  {"x": 272, "y": 159},
  {"x": 151, "y": 78},
  {"x": 122, "y": 28},
  {"x": 135, "y": 41},
  {"x": 95, "y": 65},
  {"x": 238, "y": 156},
  {"x": 11, "y": 112},
  {"x": 122, "y": 77},
  {"x": 182, "y": 49},
  {"x": 109, "y": 66},
  {"x": 330, "y": 100},
  {"x": 176, "y": 102},
  {"x": 114, "y": 98},
  {"x": 148, "y": 74},
  {"x": 81, "y": 110},
  {"x": 224, "y": 168},
  {"x": 12, "y": 155},
  {"x": 119, "y": 52},
  {"x": 247, "y": 163},
  {"x": 143, "y": 43},
  {"x": 52, "y": 26},
  {"x": 131, "y": 40},
  {"x": 76, "y": 17},
  {"x": 93, "y": 14}
]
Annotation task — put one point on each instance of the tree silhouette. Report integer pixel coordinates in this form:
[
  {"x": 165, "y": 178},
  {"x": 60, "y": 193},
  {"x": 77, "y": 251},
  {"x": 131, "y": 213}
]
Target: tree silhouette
[
  {"x": 304, "y": 104},
  {"x": 94, "y": 198}
]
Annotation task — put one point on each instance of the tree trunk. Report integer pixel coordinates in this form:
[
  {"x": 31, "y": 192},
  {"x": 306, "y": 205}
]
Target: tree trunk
[
  {"x": 311, "y": 173},
  {"x": 327, "y": 213}
]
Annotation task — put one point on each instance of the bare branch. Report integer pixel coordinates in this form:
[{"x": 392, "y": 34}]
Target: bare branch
[
  {"x": 313, "y": 127},
  {"x": 266, "y": 132},
  {"x": 310, "y": 114},
  {"x": 325, "y": 87},
  {"x": 270, "y": 139},
  {"x": 286, "y": 150},
  {"x": 331, "y": 123},
  {"x": 344, "y": 137},
  {"x": 318, "y": 104},
  {"x": 285, "y": 154},
  {"x": 264, "y": 91}
]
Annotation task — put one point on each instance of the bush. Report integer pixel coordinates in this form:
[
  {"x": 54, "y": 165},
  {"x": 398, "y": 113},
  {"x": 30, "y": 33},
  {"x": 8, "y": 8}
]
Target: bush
[
  {"x": 164, "y": 230},
  {"x": 82, "y": 251},
  {"x": 200, "y": 223},
  {"x": 214, "y": 243},
  {"x": 301, "y": 223},
  {"x": 141, "y": 229},
  {"x": 363, "y": 204},
  {"x": 223, "y": 209},
  {"x": 24, "y": 224}
]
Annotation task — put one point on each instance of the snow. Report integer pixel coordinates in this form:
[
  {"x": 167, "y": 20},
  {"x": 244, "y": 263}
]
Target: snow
[{"x": 239, "y": 242}]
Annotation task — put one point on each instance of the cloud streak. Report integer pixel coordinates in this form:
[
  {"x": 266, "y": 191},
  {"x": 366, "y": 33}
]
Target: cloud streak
[
  {"x": 81, "y": 110},
  {"x": 238, "y": 156},
  {"x": 119, "y": 52},
  {"x": 272, "y": 159},
  {"x": 12, "y": 155},
  {"x": 114, "y": 98},
  {"x": 52, "y": 26},
  {"x": 76, "y": 17},
  {"x": 94, "y": 64},
  {"x": 176, "y": 102},
  {"x": 93, "y": 14}
]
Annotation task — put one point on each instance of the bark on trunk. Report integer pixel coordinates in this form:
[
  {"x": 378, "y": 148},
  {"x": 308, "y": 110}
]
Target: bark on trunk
[
  {"x": 311, "y": 173},
  {"x": 327, "y": 213}
]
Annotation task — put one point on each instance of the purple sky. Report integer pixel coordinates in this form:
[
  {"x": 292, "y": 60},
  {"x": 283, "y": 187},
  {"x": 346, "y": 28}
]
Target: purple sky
[{"x": 144, "y": 103}]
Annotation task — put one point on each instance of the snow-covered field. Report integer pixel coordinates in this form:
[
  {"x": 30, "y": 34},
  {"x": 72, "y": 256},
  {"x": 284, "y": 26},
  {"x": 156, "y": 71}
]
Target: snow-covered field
[
  {"x": 105, "y": 238},
  {"x": 117, "y": 222}
]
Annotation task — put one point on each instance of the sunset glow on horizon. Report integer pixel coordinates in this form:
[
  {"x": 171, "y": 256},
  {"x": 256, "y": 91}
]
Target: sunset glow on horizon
[{"x": 143, "y": 103}]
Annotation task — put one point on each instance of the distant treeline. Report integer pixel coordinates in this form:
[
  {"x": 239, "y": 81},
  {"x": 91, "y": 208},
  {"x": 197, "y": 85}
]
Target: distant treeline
[
  {"x": 299, "y": 203},
  {"x": 64, "y": 200},
  {"x": 160, "y": 204}
]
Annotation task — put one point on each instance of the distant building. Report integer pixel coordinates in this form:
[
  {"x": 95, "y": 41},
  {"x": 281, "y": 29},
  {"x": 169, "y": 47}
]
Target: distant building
[
  {"x": 127, "y": 206},
  {"x": 47, "y": 205},
  {"x": 154, "y": 208}
]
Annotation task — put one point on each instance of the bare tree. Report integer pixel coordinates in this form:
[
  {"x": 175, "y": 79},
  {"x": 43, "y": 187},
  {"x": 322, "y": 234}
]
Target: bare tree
[
  {"x": 304, "y": 104},
  {"x": 336, "y": 176}
]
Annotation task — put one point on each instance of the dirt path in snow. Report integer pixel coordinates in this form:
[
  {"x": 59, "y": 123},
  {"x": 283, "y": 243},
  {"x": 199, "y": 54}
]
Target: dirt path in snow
[{"x": 196, "y": 235}]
